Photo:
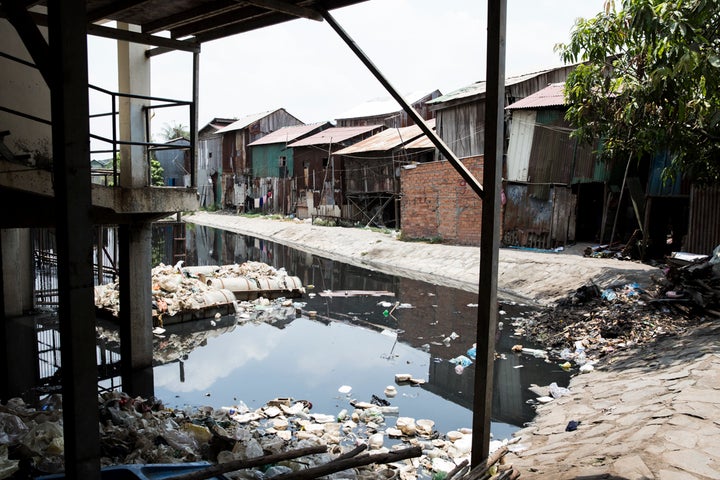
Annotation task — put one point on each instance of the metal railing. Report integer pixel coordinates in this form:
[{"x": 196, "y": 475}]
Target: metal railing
[{"x": 116, "y": 142}]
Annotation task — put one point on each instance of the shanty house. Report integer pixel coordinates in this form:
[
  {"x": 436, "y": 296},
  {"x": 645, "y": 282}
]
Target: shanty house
[
  {"x": 460, "y": 115},
  {"x": 555, "y": 186},
  {"x": 273, "y": 165},
  {"x": 236, "y": 172},
  {"x": 372, "y": 172},
  {"x": 558, "y": 191},
  {"x": 174, "y": 158},
  {"x": 386, "y": 111},
  {"x": 445, "y": 208},
  {"x": 209, "y": 162},
  {"x": 318, "y": 173}
]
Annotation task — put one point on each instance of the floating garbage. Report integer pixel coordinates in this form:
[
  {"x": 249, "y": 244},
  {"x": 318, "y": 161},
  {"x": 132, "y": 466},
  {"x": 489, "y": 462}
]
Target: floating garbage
[{"x": 461, "y": 360}]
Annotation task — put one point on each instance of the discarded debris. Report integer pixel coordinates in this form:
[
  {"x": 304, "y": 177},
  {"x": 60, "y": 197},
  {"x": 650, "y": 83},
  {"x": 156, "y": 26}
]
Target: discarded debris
[
  {"x": 176, "y": 289},
  {"x": 283, "y": 432}
]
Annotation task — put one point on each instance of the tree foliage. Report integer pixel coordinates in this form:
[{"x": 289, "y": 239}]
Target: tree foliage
[
  {"x": 171, "y": 131},
  {"x": 649, "y": 81}
]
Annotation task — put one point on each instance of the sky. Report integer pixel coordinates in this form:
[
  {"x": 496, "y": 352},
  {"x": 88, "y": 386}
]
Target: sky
[{"x": 306, "y": 68}]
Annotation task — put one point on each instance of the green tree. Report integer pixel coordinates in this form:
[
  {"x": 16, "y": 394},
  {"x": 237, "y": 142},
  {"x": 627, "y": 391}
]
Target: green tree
[
  {"x": 171, "y": 131},
  {"x": 649, "y": 81},
  {"x": 156, "y": 171}
]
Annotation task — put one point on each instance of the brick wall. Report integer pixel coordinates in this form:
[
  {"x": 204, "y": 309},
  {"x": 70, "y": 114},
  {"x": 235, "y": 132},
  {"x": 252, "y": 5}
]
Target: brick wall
[{"x": 437, "y": 203}]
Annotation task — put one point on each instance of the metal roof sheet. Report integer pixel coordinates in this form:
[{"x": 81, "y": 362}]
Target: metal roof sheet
[
  {"x": 420, "y": 143},
  {"x": 246, "y": 121},
  {"x": 287, "y": 134},
  {"x": 386, "y": 140},
  {"x": 551, "y": 96},
  {"x": 383, "y": 105},
  {"x": 479, "y": 88},
  {"x": 334, "y": 135}
]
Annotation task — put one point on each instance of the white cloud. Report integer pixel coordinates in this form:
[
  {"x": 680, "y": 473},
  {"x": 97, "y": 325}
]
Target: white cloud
[{"x": 306, "y": 68}]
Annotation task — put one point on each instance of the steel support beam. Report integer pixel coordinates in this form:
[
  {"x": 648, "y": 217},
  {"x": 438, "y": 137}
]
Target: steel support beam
[
  {"x": 71, "y": 168},
  {"x": 490, "y": 230},
  {"x": 419, "y": 121}
]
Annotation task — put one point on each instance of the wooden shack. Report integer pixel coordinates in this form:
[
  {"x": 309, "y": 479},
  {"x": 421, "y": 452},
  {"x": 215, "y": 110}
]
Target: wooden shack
[
  {"x": 236, "y": 173},
  {"x": 318, "y": 172},
  {"x": 372, "y": 173}
]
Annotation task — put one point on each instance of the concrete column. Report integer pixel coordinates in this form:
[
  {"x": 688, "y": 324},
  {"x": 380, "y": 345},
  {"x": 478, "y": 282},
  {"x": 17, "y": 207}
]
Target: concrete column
[
  {"x": 17, "y": 271},
  {"x": 133, "y": 78},
  {"x": 136, "y": 324}
]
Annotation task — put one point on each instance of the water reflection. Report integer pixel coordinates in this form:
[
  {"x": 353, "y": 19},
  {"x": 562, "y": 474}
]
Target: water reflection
[{"x": 311, "y": 357}]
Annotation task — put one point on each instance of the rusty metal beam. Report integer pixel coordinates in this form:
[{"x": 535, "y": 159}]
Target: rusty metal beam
[
  {"x": 419, "y": 121},
  {"x": 490, "y": 230},
  {"x": 290, "y": 9},
  {"x": 144, "y": 39}
]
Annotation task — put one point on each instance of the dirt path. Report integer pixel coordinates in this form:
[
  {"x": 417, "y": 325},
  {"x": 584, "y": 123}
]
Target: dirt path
[{"x": 540, "y": 277}]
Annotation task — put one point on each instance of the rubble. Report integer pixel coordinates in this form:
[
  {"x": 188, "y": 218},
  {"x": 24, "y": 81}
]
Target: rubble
[
  {"x": 144, "y": 431},
  {"x": 177, "y": 289}
]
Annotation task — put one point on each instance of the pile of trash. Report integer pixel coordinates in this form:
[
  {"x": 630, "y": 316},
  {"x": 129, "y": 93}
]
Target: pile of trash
[
  {"x": 177, "y": 289},
  {"x": 692, "y": 283},
  {"x": 144, "y": 431},
  {"x": 593, "y": 323}
]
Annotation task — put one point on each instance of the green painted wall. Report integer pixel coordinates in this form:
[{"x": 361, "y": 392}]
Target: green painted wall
[{"x": 266, "y": 160}]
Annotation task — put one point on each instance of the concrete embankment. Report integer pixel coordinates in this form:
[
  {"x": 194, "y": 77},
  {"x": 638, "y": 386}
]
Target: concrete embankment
[{"x": 528, "y": 275}]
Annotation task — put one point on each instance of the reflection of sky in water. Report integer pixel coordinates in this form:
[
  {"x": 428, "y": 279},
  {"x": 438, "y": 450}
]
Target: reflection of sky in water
[
  {"x": 305, "y": 360},
  {"x": 310, "y": 359}
]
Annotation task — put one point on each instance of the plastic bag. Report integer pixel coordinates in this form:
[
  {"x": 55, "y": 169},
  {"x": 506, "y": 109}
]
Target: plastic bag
[{"x": 12, "y": 428}]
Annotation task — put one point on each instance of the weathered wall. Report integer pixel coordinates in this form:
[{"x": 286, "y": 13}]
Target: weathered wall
[{"x": 437, "y": 203}]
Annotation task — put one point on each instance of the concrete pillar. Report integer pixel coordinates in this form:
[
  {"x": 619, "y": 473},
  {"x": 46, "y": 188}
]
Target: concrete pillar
[
  {"x": 17, "y": 271},
  {"x": 136, "y": 324},
  {"x": 133, "y": 78}
]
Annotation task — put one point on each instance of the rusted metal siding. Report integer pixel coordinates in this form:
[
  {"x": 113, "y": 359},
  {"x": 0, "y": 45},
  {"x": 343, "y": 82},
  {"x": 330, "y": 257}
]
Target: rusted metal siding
[
  {"x": 704, "y": 223},
  {"x": 532, "y": 222}
]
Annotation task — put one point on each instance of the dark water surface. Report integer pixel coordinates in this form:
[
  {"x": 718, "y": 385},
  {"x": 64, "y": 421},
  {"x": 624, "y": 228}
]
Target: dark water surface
[{"x": 353, "y": 341}]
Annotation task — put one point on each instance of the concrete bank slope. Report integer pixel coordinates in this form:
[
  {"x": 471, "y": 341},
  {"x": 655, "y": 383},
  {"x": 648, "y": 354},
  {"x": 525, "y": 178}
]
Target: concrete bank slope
[
  {"x": 522, "y": 275},
  {"x": 654, "y": 414}
]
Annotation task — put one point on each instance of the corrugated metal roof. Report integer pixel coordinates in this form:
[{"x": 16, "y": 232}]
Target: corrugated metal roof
[
  {"x": 246, "y": 121},
  {"x": 479, "y": 88},
  {"x": 287, "y": 134},
  {"x": 421, "y": 143},
  {"x": 381, "y": 106},
  {"x": 334, "y": 135},
  {"x": 386, "y": 140},
  {"x": 551, "y": 96}
]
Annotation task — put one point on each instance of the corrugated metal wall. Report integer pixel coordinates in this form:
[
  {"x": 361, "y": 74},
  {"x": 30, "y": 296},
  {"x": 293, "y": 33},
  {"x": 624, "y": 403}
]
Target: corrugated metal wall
[
  {"x": 704, "y": 224},
  {"x": 522, "y": 128}
]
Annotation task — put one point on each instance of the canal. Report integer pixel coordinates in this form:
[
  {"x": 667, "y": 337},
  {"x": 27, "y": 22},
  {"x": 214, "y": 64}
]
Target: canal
[{"x": 356, "y": 342}]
